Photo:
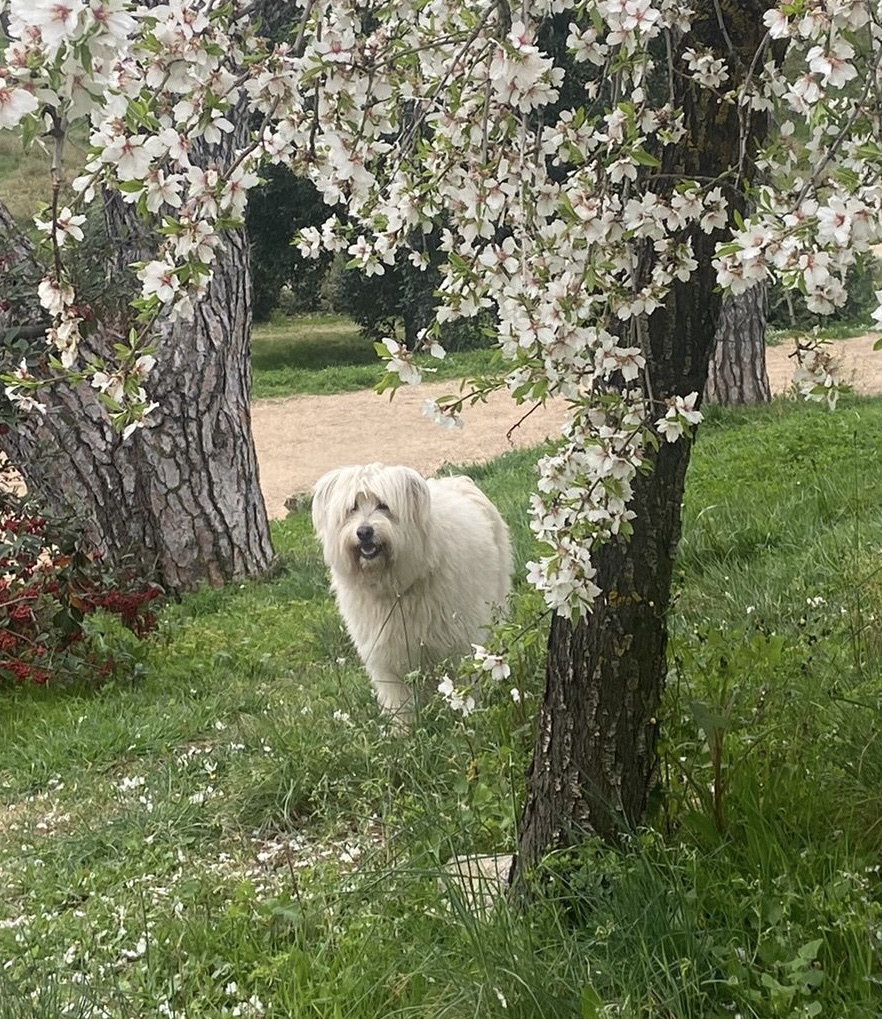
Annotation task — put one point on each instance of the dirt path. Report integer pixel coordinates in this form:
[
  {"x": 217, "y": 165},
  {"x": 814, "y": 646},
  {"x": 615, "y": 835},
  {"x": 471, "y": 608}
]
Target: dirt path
[{"x": 301, "y": 437}]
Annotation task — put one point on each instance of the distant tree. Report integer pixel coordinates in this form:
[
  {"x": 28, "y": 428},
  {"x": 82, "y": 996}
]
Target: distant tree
[
  {"x": 401, "y": 303},
  {"x": 277, "y": 209},
  {"x": 737, "y": 372},
  {"x": 402, "y": 298}
]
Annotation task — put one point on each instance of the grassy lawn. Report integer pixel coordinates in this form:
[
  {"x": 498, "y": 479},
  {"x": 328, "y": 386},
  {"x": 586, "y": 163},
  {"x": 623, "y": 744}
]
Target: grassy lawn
[
  {"x": 227, "y": 829},
  {"x": 319, "y": 354},
  {"x": 24, "y": 178},
  {"x": 833, "y": 331},
  {"x": 25, "y": 181}
]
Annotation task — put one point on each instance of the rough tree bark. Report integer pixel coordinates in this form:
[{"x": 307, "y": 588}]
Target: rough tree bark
[
  {"x": 737, "y": 373},
  {"x": 181, "y": 496},
  {"x": 595, "y": 754}
]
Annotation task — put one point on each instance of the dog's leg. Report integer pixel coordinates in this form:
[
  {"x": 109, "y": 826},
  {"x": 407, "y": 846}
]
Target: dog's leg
[{"x": 395, "y": 697}]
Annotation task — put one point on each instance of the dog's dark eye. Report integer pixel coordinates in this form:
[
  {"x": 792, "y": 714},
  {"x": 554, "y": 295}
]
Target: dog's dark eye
[{"x": 382, "y": 506}]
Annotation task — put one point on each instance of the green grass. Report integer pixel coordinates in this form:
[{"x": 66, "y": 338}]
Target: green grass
[
  {"x": 812, "y": 494},
  {"x": 321, "y": 354},
  {"x": 25, "y": 182},
  {"x": 25, "y": 179},
  {"x": 232, "y": 831},
  {"x": 832, "y": 331}
]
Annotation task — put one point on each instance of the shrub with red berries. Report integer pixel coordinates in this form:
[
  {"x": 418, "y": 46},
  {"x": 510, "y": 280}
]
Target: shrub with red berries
[{"x": 51, "y": 585}]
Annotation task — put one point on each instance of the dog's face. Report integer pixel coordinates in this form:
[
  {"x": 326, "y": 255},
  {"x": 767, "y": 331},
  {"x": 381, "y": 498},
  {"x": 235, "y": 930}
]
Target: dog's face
[
  {"x": 369, "y": 530},
  {"x": 371, "y": 519}
]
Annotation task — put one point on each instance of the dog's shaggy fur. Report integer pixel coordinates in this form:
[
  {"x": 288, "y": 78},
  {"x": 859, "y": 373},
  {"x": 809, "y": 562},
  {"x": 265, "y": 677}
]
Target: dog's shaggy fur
[{"x": 418, "y": 567}]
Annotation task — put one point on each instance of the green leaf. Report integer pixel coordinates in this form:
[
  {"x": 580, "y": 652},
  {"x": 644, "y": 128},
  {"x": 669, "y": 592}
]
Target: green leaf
[
  {"x": 389, "y": 381},
  {"x": 139, "y": 114},
  {"x": 780, "y": 992},
  {"x": 644, "y": 158},
  {"x": 131, "y": 186},
  {"x": 809, "y": 951},
  {"x": 848, "y": 178},
  {"x": 707, "y": 719},
  {"x": 458, "y": 262},
  {"x": 591, "y": 1003},
  {"x": 869, "y": 151}
]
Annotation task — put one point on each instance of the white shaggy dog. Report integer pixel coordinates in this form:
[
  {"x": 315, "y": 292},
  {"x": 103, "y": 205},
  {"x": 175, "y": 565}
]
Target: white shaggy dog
[{"x": 418, "y": 567}]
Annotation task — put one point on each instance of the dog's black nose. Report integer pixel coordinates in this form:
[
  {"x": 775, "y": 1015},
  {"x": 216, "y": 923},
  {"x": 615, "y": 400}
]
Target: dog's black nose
[{"x": 365, "y": 533}]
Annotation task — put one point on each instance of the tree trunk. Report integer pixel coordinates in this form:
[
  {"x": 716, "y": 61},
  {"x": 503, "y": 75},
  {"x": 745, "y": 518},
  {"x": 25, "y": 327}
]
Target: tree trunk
[
  {"x": 594, "y": 759},
  {"x": 595, "y": 753},
  {"x": 737, "y": 373},
  {"x": 180, "y": 498}
]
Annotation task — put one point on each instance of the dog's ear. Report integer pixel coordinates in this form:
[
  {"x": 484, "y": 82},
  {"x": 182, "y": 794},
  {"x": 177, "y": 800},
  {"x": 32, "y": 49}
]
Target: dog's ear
[
  {"x": 322, "y": 496},
  {"x": 417, "y": 497}
]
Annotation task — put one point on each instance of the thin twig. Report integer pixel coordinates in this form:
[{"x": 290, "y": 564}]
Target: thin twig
[{"x": 521, "y": 420}]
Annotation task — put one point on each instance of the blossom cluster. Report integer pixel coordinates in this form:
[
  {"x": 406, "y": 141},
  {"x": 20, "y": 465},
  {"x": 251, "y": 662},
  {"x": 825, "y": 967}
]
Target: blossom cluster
[
  {"x": 535, "y": 161},
  {"x": 486, "y": 665}
]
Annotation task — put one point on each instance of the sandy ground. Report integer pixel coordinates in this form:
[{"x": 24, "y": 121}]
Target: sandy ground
[{"x": 301, "y": 437}]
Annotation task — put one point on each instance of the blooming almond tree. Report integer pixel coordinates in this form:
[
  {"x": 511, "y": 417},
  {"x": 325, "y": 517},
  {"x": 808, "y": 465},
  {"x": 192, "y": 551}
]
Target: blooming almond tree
[{"x": 589, "y": 166}]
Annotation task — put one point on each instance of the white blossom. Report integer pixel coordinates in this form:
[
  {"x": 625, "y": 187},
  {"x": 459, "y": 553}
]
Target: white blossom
[
  {"x": 833, "y": 64},
  {"x": 159, "y": 279},
  {"x": 400, "y": 362},
  {"x": 777, "y": 23},
  {"x": 16, "y": 102},
  {"x": 442, "y": 416},
  {"x": 460, "y": 701},
  {"x": 57, "y": 22},
  {"x": 65, "y": 225},
  {"x": 494, "y": 664},
  {"x": 680, "y": 416}
]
